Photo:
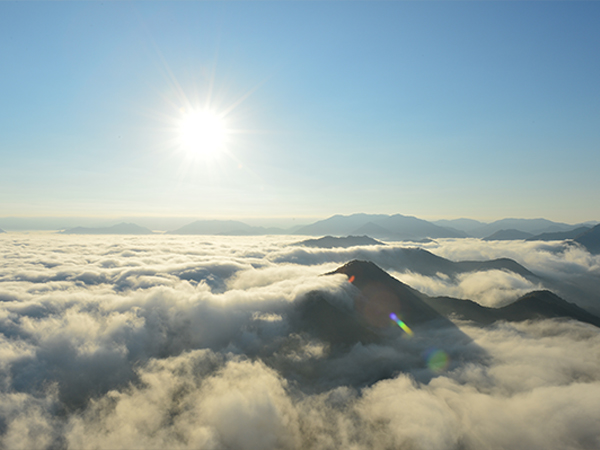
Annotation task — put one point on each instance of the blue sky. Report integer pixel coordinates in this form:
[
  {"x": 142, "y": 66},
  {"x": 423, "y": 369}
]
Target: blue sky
[{"x": 433, "y": 109}]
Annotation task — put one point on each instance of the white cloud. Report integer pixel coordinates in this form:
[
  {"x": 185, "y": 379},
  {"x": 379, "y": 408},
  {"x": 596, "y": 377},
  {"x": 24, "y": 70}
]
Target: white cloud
[
  {"x": 178, "y": 342},
  {"x": 491, "y": 288}
]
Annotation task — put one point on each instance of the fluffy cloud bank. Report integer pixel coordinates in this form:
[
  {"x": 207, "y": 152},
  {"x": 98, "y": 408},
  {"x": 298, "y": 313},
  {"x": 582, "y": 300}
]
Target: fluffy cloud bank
[{"x": 193, "y": 342}]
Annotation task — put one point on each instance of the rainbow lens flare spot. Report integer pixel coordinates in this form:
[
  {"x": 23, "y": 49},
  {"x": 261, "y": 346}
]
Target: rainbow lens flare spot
[
  {"x": 437, "y": 360},
  {"x": 401, "y": 324}
]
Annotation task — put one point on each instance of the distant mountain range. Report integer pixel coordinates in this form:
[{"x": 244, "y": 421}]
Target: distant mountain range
[
  {"x": 121, "y": 228},
  {"x": 560, "y": 235},
  {"x": 377, "y": 226},
  {"x": 588, "y": 237},
  {"x": 534, "y": 227},
  {"x": 399, "y": 227},
  {"x": 225, "y": 228},
  {"x": 512, "y": 234}
]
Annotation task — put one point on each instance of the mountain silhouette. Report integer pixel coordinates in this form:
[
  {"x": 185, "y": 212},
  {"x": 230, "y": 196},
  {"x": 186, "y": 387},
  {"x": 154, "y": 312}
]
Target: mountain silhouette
[
  {"x": 383, "y": 295},
  {"x": 381, "y": 226},
  {"x": 2, "y": 231},
  {"x": 121, "y": 228},
  {"x": 384, "y": 323},
  {"x": 590, "y": 239},
  {"x": 318, "y": 317},
  {"x": 334, "y": 242}
]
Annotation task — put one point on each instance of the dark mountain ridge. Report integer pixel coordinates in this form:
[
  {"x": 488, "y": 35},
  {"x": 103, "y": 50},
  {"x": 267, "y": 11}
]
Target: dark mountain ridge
[
  {"x": 421, "y": 261},
  {"x": 384, "y": 295},
  {"x": 532, "y": 306}
]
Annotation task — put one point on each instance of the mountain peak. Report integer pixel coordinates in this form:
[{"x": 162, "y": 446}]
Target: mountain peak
[{"x": 384, "y": 297}]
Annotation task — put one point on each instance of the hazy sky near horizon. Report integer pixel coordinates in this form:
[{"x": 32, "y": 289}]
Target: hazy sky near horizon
[{"x": 433, "y": 109}]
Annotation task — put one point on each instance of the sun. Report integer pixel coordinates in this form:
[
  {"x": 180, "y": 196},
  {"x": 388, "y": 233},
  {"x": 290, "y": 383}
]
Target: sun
[{"x": 203, "y": 133}]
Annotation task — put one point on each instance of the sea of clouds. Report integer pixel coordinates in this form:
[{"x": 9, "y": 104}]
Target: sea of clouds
[{"x": 115, "y": 342}]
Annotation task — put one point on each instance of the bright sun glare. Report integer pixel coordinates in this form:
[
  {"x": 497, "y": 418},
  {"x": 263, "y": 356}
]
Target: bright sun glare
[{"x": 203, "y": 133}]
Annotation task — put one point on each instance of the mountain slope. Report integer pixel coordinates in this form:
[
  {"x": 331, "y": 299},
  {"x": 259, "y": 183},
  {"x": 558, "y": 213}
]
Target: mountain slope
[
  {"x": 406, "y": 227},
  {"x": 590, "y": 239},
  {"x": 339, "y": 225},
  {"x": 372, "y": 229},
  {"x": 560, "y": 235},
  {"x": 383, "y": 295},
  {"x": 465, "y": 225},
  {"x": 533, "y": 226}
]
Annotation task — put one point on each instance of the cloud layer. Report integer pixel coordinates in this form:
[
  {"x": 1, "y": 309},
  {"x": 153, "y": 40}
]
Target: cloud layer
[{"x": 179, "y": 342}]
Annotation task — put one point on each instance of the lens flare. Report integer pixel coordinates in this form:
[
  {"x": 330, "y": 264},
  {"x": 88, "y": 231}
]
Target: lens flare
[
  {"x": 351, "y": 279},
  {"x": 437, "y": 360},
  {"x": 401, "y": 324}
]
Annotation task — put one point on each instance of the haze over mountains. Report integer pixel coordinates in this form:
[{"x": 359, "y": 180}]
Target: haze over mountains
[
  {"x": 533, "y": 226},
  {"x": 335, "y": 242},
  {"x": 121, "y": 228},
  {"x": 378, "y": 226},
  {"x": 225, "y": 228},
  {"x": 396, "y": 227}
]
